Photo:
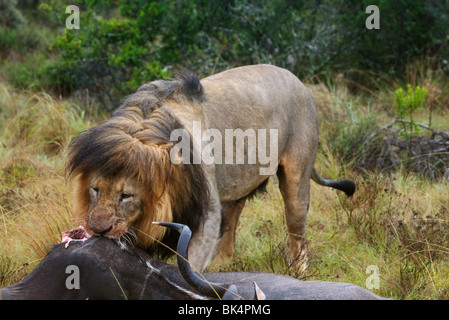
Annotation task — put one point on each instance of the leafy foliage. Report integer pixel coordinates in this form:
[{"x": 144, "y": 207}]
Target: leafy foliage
[
  {"x": 407, "y": 104},
  {"x": 124, "y": 43},
  {"x": 10, "y": 16}
]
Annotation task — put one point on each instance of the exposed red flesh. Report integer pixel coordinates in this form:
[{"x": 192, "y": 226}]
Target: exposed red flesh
[{"x": 75, "y": 234}]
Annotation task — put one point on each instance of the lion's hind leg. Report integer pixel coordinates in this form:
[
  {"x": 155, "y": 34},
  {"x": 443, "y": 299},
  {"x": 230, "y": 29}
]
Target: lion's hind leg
[{"x": 294, "y": 184}]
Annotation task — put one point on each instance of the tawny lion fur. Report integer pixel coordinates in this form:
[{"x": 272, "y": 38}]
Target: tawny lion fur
[{"x": 124, "y": 178}]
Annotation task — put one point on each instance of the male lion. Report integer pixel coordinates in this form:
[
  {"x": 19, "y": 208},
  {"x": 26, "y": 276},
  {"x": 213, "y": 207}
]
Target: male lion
[{"x": 127, "y": 172}]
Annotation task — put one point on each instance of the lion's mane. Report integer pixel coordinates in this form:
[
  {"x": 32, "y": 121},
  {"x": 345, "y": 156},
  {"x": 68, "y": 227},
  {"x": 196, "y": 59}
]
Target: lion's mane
[{"x": 136, "y": 141}]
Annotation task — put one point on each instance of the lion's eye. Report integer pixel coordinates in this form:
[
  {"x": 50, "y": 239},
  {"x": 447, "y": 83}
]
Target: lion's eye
[
  {"x": 94, "y": 190},
  {"x": 124, "y": 197}
]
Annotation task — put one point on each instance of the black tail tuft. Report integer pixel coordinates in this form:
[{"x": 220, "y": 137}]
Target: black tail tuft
[{"x": 347, "y": 186}]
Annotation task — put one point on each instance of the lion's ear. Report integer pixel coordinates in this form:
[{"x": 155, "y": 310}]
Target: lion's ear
[{"x": 190, "y": 86}]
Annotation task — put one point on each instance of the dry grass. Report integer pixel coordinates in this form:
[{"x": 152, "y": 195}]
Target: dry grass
[
  {"x": 34, "y": 207},
  {"x": 400, "y": 226}
]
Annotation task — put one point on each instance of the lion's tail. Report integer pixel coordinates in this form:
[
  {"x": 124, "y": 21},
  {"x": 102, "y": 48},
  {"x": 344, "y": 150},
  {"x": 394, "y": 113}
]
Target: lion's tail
[{"x": 347, "y": 186}]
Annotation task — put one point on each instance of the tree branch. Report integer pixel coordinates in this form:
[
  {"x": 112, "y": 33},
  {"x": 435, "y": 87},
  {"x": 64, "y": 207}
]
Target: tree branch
[{"x": 442, "y": 133}]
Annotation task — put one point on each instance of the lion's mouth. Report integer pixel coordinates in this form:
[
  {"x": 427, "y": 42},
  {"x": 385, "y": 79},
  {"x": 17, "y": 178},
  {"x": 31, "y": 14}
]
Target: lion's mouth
[
  {"x": 110, "y": 229},
  {"x": 101, "y": 233}
]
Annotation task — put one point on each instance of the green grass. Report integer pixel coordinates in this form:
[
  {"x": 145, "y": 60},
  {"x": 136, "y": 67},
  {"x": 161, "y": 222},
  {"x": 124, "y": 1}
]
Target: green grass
[{"x": 396, "y": 221}]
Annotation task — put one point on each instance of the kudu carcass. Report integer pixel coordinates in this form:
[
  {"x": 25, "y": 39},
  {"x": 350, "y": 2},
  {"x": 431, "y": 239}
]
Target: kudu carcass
[{"x": 108, "y": 270}]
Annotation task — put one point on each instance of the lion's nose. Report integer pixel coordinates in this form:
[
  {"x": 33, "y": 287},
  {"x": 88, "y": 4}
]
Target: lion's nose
[{"x": 100, "y": 227}]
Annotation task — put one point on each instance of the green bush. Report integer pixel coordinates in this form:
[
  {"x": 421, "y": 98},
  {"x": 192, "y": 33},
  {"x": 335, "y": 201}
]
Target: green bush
[
  {"x": 124, "y": 43},
  {"x": 10, "y": 16},
  {"x": 108, "y": 57},
  {"x": 407, "y": 104},
  {"x": 24, "y": 57}
]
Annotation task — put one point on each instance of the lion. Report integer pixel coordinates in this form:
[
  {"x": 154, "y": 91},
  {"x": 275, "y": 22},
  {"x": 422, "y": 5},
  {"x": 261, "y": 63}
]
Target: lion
[{"x": 127, "y": 171}]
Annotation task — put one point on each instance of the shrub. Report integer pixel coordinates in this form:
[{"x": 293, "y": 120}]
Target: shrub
[
  {"x": 406, "y": 104},
  {"x": 10, "y": 16},
  {"x": 119, "y": 39}
]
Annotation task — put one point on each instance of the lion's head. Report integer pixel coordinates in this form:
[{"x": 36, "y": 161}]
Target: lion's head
[{"x": 124, "y": 178}]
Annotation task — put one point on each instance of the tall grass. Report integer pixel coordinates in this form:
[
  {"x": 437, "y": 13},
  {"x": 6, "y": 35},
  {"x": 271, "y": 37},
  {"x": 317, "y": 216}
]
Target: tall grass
[
  {"x": 399, "y": 224},
  {"x": 35, "y": 130}
]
